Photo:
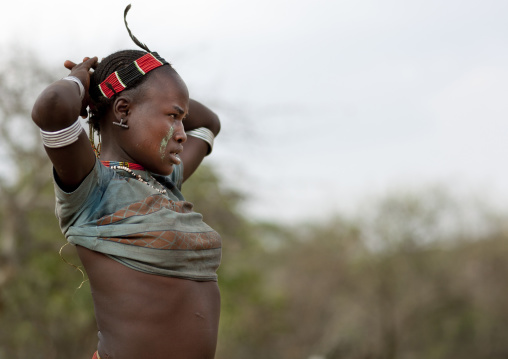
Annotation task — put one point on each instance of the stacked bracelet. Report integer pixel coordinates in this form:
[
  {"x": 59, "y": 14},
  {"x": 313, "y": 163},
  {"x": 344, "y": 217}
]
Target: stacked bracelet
[
  {"x": 62, "y": 138},
  {"x": 80, "y": 85},
  {"x": 204, "y": 134}
]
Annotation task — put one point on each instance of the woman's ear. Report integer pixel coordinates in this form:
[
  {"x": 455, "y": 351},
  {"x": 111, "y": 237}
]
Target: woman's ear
[{"x": 121, "y": 107}]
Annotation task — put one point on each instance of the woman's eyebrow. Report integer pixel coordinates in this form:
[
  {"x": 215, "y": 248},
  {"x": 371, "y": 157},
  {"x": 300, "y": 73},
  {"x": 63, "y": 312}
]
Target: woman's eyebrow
[{"x": 179, "y": 109}]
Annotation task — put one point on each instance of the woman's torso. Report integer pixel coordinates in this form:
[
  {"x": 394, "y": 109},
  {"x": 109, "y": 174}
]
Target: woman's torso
[{"x": 143, "y": 315}]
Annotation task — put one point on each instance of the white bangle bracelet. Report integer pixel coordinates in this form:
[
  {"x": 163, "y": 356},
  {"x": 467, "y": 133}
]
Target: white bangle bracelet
[
  {"x": 62, "y": 138},
  {"x": 204, "y": 134},
  {"x": 80, "y": 85}
]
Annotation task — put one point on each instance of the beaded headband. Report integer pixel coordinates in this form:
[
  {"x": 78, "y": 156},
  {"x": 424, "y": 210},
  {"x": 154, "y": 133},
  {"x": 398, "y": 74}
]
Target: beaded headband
[{"x": 121, "y": 79}]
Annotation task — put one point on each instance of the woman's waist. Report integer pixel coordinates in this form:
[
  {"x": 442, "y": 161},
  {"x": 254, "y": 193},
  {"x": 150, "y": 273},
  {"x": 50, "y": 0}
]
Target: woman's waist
[
  {"x": 135, "y": 310},
  {"x": 159, "y": 323},
  {"x": 190, "y": 332}
]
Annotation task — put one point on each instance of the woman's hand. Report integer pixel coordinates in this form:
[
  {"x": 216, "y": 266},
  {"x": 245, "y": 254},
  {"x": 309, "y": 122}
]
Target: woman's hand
[{"x": 82, "y": 72}]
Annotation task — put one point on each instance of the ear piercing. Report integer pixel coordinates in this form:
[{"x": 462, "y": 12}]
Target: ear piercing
[{"x": 121, "y": 124}]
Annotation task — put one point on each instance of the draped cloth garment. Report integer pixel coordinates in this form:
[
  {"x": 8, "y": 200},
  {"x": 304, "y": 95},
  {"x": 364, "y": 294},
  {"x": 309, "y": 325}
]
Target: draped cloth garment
[{"x": 113, "y": 213}]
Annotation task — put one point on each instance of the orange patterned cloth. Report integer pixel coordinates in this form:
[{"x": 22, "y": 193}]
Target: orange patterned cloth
[{"x": 96, "y": 355}]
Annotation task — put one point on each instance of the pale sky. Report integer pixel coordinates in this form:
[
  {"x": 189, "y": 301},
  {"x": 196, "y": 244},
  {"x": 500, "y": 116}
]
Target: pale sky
[{"x": 323, "y": 103}]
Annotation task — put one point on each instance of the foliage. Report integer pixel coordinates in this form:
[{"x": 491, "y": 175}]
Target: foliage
[
  {"x": 405, "y": 297},
  {"x": 417, "y": 275}
]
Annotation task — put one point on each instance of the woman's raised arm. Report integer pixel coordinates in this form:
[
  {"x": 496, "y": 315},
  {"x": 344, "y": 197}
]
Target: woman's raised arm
[
  {"x": 56, "y": 111},
  {"x": 198, "y": 143}
]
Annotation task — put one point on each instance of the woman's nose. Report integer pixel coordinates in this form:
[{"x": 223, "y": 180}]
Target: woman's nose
[{"x": 180, "y": 135}]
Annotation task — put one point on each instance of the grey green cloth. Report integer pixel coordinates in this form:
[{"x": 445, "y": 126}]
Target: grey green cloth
[{"x": 113, "y": 213}]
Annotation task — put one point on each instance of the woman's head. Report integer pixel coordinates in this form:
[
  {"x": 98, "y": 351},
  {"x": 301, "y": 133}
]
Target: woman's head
[
  {"x": 121, "y": 60},
  {"x": 152, "y": 106}
]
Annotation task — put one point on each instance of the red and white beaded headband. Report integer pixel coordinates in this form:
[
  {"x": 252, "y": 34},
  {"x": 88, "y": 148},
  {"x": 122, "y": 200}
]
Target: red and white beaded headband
[{"x": 121, "y": 79}]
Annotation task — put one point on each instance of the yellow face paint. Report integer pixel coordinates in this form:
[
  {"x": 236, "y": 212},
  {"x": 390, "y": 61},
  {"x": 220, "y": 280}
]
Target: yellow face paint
[{"x": 165, "y": 141}]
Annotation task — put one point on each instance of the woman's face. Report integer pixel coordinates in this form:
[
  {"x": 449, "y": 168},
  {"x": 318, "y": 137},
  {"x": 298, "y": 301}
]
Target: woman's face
[{"x": 156, "y": 133}]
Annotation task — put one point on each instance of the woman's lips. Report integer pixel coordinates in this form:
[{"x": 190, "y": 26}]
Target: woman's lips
[{"x": 174, "y": 158}]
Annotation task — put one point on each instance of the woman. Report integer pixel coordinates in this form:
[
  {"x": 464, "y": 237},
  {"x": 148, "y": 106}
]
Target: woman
[{"x": 150, "y": 259}]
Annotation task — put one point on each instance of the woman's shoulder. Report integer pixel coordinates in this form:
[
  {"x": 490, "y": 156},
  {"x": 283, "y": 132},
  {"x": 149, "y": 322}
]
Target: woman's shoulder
[
  {"x": 99, "y": 176},
  {"x": 71, "y": 205}
]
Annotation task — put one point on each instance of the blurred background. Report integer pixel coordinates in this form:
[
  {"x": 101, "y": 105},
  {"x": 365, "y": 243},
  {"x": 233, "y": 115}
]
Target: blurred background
[{"x": 358, "y": 181}]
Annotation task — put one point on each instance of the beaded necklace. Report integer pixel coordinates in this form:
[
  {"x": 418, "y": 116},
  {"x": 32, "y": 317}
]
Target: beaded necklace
[
  {"x": 132, "y": 166},
  {"x": 126, "y": 166}
]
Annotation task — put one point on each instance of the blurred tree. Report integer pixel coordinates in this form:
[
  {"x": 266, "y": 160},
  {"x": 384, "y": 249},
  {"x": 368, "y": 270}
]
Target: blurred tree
[
  {"x": 424, "y": 290},
  {"x": 40, "y": 316},
  {"x": 25, "y": 167}
]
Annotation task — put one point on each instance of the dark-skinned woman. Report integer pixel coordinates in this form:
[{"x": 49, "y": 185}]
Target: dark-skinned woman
[{"x": 150, "y": 259}]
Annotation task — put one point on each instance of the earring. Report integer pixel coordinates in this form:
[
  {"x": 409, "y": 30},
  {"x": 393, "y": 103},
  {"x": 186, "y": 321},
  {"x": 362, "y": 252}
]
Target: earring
[
  {"x": 121, "y": 124},
  {"x": 96, "y": 148}
]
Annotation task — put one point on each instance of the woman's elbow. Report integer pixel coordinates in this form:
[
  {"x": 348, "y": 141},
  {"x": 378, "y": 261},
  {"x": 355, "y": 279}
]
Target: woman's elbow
[
  {"x": 51, "y": 110},
  {"x": 215, "y": 127},
  {"x": 41, "y": 110}
]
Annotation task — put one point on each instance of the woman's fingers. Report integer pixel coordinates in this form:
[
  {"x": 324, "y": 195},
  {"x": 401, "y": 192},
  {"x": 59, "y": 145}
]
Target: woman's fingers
[
  {"x": 88, "y": 63},
  {"x": 69, "y": 64}
]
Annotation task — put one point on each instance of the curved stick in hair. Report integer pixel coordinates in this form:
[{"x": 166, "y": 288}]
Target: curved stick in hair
[{"x": 136, "y": 41}]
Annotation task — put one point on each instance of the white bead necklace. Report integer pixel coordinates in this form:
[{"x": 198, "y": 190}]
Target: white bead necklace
[{"x": 139, "y": 178}]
